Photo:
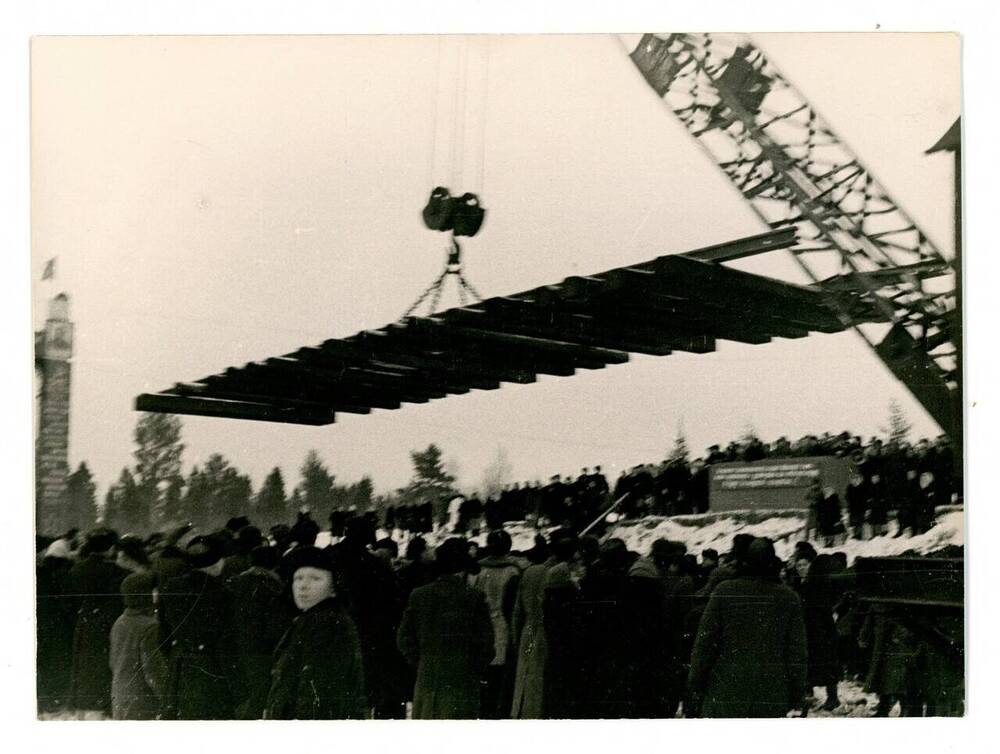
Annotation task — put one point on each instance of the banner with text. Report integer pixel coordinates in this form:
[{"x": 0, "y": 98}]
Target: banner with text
[{"x": 774, "y": 483}]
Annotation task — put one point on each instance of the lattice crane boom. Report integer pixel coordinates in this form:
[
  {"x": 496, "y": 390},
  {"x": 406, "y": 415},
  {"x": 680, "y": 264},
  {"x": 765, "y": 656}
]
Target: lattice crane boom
[{"x": 794, "y": 170}]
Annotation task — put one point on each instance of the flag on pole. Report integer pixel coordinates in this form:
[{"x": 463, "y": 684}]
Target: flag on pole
[{"x": 50, "y": 269}]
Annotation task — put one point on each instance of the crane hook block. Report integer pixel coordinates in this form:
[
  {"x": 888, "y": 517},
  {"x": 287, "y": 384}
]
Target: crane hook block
[
  {"x": 468, "y": 215},
  {"x": 439, "y": 210},
  {"x": 463, "y": 215}
]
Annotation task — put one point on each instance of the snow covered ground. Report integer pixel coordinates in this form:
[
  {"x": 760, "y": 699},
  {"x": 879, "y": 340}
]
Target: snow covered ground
[
  {"x": 716, "y": 530},
  {"x": 854, "y": 702},
  {"x": 785, "y": 528}
]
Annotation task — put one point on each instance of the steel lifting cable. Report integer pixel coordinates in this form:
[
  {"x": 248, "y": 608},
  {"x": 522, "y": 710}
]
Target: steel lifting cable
[
  {"x": 432, "y": 157},
  {"x": 485, "y": 116},
  {"x": 458, "y": 137}
]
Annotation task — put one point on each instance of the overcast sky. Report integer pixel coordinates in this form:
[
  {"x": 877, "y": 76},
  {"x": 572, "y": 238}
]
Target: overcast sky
[{"x": 214, "y": 201}]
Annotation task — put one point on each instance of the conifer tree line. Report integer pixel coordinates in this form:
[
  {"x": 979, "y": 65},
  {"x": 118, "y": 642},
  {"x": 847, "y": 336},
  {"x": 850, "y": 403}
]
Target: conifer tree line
[{"x": 153, "y": 493}]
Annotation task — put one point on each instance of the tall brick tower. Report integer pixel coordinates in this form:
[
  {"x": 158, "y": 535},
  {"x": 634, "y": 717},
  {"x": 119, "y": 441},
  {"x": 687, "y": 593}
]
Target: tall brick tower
[{"x": 53, "y": 350}]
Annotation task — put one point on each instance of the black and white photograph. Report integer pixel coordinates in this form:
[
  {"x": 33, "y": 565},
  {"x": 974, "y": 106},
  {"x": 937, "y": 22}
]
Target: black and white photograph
[{"x": 498, "y": 376}]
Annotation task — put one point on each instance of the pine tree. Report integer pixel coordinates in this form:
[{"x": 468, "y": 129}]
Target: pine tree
[
  {"x": 899, "y": 428},
  {"x": 295, "y": 504},
  {"x": 496, "y": 475},
  {"x": 430, "y": 480},
  {"x": 126, "y": 508},
  {"x": 364, "y": 493},
  {"x": 749, "y": 434},
  {"x": 81, "y": 498},
  {"x": 157, "y": 461},
  {"x": 316, "y": 487},
  {"x": 270, "y": 504},
  {"x": 680, "y": 453},
  {"x": 226, "y": 492},
  {"x": 194, "y": 500},
  {"x": 173, "y": 503}
]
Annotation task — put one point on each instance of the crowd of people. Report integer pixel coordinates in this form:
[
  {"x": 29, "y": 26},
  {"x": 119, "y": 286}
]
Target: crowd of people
[
  {"x": 886, "y": 477},
  {"x": 238, "y": 623}
]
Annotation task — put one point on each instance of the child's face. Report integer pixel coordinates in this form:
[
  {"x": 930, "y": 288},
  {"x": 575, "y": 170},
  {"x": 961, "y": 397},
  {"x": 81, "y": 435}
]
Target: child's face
[{"x": 310, "y": 586}]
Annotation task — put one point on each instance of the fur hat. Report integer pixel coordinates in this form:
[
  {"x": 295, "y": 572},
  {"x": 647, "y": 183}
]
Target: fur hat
[
  {"x": 310, "y": 557},
  {"x": 134, "y": 548},
  {"x": 100, "y": 540},
  {"x": 236, "y": 523},
  {"x": 759, "y": 559},
  {"x": 452, "y": 555},
  {"x": 204, "y": 551}
]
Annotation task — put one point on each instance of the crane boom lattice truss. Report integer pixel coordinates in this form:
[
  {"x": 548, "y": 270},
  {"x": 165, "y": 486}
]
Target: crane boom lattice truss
[{"x": 792, "y": 168}]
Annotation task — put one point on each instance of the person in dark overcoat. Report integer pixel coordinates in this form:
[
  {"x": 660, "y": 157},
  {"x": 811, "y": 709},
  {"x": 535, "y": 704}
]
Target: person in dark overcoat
[
  {"x": 820, "y": 594},
  {"x": 196, "y": 614},
  {"x": 858, "y": 502},
  {"x": 54, "y": 617},
  {"x": 596, "y": 658},
  {"x": 829, "y": 523},
  {"x": 878, "y": 512},
  {"x": 261, "y": 616},
  {"x": 447, "y": 635},
  {"x": 372, "y": 597},
  {"x": 749, "y": 657},
  {"x": 92, "y": 587},
  {"x": 908, "y": 501},
  {"x": 569, "y": 661},
  {"x": 679, "y": 591},
  {"x": 318, "y": 672}
]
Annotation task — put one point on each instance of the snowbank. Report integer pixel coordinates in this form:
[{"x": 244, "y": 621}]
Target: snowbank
[
  {"x": 716, "y": 530},
  {"x": 785, "y": 528}
]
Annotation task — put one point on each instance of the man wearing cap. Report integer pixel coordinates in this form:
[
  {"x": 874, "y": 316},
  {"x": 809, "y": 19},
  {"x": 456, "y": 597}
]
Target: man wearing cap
[{"x": 198, "y": 637}]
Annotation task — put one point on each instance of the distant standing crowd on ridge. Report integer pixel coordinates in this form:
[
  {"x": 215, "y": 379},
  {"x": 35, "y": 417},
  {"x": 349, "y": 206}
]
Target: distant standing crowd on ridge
[
  {"x": 886, "y": 478},
  {"x": 241, "y": 624}
]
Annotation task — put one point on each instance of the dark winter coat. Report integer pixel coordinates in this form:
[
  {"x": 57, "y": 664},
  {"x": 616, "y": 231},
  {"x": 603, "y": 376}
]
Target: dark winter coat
[
  {"x": 234, "y": 565},
  {"x": 819, "y": 596},
  {"x": 569, "y": 660},
  {"x": 828, "y": 516},
  {"x": 318, "y": 672},
  {"x": 138, "y": 668},
  {"x": 649, "y": 643},
  {"x": 196, "y": 613},
  {"x": 749, "y": 657},
  {"x": 55, "y": 617},
  {"x": 374, "y": 603},
  {"x": 607, "y": 654},
  {"x": 261, "y": 616},
  {"x": 878, "y": 514},
  {"x": 447, "y": 635},
  {"x": 92, "y": 588},
  {"x": 858, "y": 497}
]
